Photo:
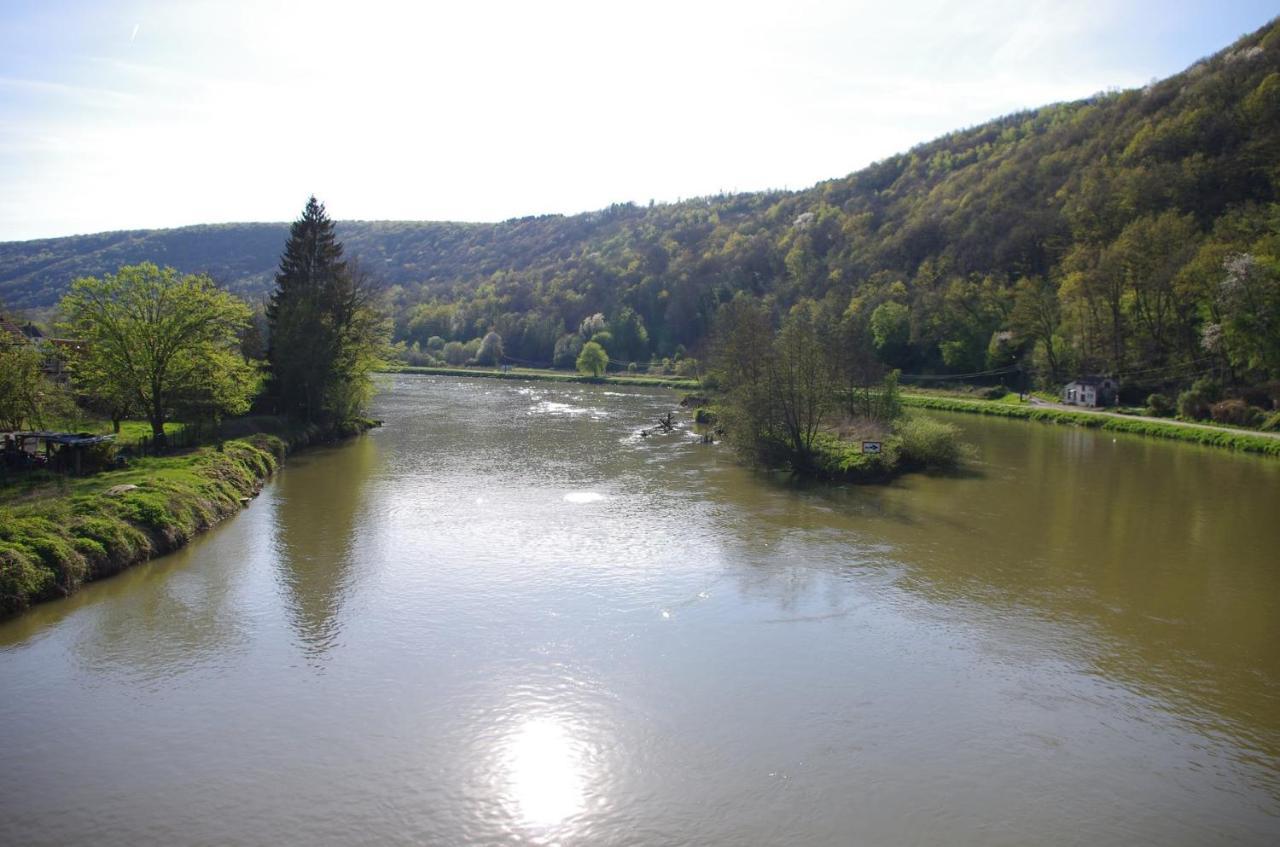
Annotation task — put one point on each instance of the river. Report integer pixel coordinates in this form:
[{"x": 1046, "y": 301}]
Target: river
[{"x": 506, "y": 618}]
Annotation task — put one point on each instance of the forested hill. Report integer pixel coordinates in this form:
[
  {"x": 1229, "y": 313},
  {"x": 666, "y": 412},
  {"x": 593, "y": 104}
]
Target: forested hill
[{"x": 1086, "y": 235}]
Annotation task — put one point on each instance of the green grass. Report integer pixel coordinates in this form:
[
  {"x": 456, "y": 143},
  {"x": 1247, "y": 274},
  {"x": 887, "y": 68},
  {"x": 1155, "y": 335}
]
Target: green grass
[
  {"x": 1242, "y": 440},
  {"x": 58, "y": 532},
  {"x": 56, "y": 536},
  {"x": 129, "y": 429},
  {"x": 551, "y": 376}
]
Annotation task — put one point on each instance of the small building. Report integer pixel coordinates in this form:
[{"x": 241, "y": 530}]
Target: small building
[
  {"x": 55, "y": 353},
  {"x": 63, "y": 452},
  {"x": 1092, "y": 391}
]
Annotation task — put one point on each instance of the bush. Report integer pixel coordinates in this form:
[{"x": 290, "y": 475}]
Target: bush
[
  {"x": 687, "y": 367},
  {"x": 1159, "y": 405},
  {"x": 927, "y": 443},
  {"x": 1271, "y": 424},
  {"x": 1235, "y": 412},
  {"x": 1193, "y": 404},
  {"x": 455, "y": 353}
]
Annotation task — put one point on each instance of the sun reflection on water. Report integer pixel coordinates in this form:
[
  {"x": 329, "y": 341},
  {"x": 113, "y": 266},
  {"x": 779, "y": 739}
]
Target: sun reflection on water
[{"x": 545, "y": 769}]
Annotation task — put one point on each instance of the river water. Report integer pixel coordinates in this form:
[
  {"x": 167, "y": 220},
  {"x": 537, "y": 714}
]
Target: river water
[{"x": 506, "y": 618}]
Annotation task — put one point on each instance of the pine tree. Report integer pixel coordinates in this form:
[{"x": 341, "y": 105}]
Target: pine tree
[{"x": 324, "y": 336}]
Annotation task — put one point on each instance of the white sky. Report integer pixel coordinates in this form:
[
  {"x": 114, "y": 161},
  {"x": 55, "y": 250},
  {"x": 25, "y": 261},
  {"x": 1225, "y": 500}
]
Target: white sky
[{"x": 154, "y": 114}]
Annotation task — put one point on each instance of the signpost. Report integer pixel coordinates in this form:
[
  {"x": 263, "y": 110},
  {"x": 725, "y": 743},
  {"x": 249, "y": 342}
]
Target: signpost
[{"x": 871, "y": 446}]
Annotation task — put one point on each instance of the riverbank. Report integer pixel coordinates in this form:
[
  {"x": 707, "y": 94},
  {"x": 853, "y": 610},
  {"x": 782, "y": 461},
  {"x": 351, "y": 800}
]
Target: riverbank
[
  {"x": 1211, "y": 436},
  {"x": 57, "y": 533},
  {"x": 547, "y": 375}
]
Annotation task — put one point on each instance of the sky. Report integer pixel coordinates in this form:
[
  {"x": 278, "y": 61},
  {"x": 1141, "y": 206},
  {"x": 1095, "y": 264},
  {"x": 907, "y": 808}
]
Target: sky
[{"x": 161, "y": 113}]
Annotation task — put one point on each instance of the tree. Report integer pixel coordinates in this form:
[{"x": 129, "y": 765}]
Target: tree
[
  {"x": 803, "y": 384},
  {"x": 1248, "y": 300},
  {"x": 567, "y": 349},
  {"x": 163, "y": 342},
  {"x": 891, "y": 331},
  {"x": 490, "y": 352},
  {"x": 593, "y": 360},
  {"x": 1037, "y": 318},
  {"x": 630, "y": 335},
  {"x": 325, "y": 334},
  {"x": 742, "y": 349},
  {"x": 24, "y": 390},
  {"x": 591, "y": 325},
  {"x": 455, "y": 353}
]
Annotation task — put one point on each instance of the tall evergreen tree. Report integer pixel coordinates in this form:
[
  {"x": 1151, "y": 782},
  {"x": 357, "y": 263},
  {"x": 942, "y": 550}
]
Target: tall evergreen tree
[{"x": 324, "y": 336}]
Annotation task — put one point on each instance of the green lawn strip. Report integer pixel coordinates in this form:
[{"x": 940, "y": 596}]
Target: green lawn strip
[
  {"x": 550, "y": 376},
  {"x": 60, "y": 532},
  {"x": 1241, "y": 441}
]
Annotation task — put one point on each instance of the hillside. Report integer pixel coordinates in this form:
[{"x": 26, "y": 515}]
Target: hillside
[{"x": 1081, "y": 236}]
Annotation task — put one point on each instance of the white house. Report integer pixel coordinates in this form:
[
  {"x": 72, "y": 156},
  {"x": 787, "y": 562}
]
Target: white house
[{"x": 1091, "y": 391}]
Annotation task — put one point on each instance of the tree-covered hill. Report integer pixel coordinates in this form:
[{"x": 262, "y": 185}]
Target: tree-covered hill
[{"x": 1136, "y": 232}]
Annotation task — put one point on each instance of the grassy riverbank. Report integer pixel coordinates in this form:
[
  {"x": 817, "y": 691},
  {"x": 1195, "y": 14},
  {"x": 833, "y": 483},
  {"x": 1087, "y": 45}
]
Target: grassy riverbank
[
  {"x": 548, "y": 375},
  {"x": 1209, "y": 436},
  {"x": 57, "y": 533}
]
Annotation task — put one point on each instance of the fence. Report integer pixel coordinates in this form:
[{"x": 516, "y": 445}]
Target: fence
[{"x": 189, "y": 435}]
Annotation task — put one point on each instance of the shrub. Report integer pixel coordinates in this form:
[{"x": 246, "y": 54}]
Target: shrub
[
  {"x": 687, "y": 367},
  {"x": 1271, "y": 424},
  {"x": 455, "y": 353},
  {"x": 928, "y": 443},
  {"x": 1235, "y": 412},
  {"x": 1159, "y": 405},
  {"x": 1193, "y": 404}
]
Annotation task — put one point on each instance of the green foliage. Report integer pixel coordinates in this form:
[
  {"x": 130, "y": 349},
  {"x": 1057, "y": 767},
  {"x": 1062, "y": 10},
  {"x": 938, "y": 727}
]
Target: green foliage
[
  {"x": 1160, "y": 406},
  {"x": 27, "y": 397},
  {"x": 164, "y": 344},
  {"x": 55, "y": 538},
  {"x": 891, "y": 331},
  {"x": 543, "y": 375},
  {"x": 593, "y": 361},
  {"x": 490, "y": 352},
  {"x": 1083, "y": 237},
  {"x": 926, "y": 443},
  {"x": 326, "y": 334},
  {"x": 1194, "y": 403},
  {"x": 568, "y": 348},
  {"x": 455, "y": 353}
]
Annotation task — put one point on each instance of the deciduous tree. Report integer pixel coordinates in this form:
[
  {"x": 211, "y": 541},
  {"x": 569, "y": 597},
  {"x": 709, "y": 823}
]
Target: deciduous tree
[{"x": 168, "y": 343}]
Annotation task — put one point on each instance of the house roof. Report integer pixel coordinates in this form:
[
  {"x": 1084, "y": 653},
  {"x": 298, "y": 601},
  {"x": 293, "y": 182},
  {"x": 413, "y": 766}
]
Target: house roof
[
  {"x": 74, "y": 439},
  {"x": 10, "y": 333},
  {"x": 1091, "y": 380}
]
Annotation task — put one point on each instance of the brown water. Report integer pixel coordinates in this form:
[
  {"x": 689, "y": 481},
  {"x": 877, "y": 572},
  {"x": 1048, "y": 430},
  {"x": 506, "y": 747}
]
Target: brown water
[{"x": 504, "y": 618}]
